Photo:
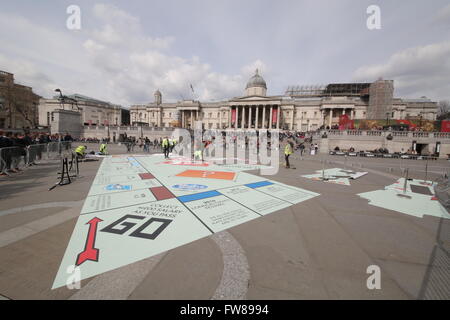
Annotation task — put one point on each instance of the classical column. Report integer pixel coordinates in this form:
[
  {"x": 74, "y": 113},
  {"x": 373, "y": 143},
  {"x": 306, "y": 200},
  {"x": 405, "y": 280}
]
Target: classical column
[
  {"x": 256, "y": 120},
  {"x": 220, "y": 118},
  {"x": 278, "y": 116},
  {"x": 323, "y": 116},
  {"x": 192, "y": 119},
  {"x": 263, "y": 124},
  {"x": 331, "y": 116},
  {"x": 230, "y": 112},
  {"x": 292, "y": 122},
  {"x": 249, "y": 117},
  {"x": 238, "y": 124},
  {"x": 243, "y": 118},
  {"x": 270, "y": 117}
]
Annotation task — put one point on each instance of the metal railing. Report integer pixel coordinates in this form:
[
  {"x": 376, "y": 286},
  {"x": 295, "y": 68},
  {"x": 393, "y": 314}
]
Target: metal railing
[
  {"x": 13, "y": 158},
  {"x": 384, "y": 133}
]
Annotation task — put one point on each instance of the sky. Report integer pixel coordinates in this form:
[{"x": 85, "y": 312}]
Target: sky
[{"x": 126, "y": 50}]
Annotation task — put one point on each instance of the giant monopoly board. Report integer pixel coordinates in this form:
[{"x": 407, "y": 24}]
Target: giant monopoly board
[{"x": 140, "y": 206}]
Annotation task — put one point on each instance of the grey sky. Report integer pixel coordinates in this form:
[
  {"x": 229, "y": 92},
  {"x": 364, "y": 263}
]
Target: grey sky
[{"x": 125, "y": 50}]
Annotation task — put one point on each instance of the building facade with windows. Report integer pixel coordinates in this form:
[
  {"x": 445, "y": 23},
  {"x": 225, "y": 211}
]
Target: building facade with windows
[
  {"x": 18, "y": 104},
  {"x": 93, "y": 112},
  {"x": 300, "y": 108}
]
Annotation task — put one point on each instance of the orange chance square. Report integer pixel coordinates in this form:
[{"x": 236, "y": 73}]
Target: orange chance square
[{"x": 207, "y": 174}]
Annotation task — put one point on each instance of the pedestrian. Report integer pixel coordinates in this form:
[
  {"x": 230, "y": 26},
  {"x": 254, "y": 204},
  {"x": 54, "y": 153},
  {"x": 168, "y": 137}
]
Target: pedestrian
[
  {"x": 166, "y": 147},
  {"x": 302, "y": 149},
  {"x": 288, "y": 149}
]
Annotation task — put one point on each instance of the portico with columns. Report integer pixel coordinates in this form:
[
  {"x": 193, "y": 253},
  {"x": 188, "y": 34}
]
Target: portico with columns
[
  {"x": 254, "y": 115},
  {"x": 331, "y": 113}
]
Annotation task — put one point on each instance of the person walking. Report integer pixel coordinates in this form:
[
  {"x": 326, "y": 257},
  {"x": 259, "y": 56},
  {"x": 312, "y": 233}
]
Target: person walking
[{"x": 302, "y": 149}]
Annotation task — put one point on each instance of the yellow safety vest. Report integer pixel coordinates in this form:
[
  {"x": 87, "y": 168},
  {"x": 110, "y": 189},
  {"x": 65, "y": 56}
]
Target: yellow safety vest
[
  {"x": 80, "y": 149},
  {"x": 103, "y": 148},
  {"x": 165, "y": 143},
  {"x": 288, "y": 149}
]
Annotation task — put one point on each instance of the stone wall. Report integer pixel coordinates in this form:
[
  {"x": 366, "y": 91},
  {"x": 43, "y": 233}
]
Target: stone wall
[
  {"x": 66, "y": 121},
  {"x": 101, "y": 132},
  {"x": 371, "y": 140}
]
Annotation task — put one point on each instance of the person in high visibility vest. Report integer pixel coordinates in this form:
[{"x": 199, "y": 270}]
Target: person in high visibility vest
[
  {"x": 198, "y": 154},
  {"x": 103, "y": 148},
  {"x": 166, "y": 147},
  {"x": 81, "y": 151},
  {"x": 288, "y": 150},
  {"x": 174, "y": 142}
]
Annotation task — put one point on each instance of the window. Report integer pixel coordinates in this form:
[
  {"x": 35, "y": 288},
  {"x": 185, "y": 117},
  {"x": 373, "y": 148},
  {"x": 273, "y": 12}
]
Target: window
[{"x": 210, "y": 116}]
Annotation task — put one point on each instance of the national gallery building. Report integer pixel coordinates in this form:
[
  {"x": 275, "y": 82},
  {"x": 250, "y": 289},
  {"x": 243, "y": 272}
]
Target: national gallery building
[{"x": 301, "y": 108}]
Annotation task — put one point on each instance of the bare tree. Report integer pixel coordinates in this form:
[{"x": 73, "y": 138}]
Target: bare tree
[{"x": 443, "y": 109}]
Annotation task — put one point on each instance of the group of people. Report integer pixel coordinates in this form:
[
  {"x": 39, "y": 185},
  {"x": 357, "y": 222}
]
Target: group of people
[
  {"x": 167, "y": 146},
  {"x": 16, "y": 147},
  {"x": 81, "y": 150}
]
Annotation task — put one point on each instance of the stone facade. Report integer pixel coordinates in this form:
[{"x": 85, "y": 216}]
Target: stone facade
[
  {"x": 92, "y": 111},
  {"x": 255, "y": 110},
  {"x": 18, "y": 104},
  {"x": 66, "y": 121}
]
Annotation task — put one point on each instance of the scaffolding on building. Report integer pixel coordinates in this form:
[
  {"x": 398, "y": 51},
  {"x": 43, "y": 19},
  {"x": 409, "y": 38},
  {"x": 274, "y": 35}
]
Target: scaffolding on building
[{"x": 332, "y": 89}]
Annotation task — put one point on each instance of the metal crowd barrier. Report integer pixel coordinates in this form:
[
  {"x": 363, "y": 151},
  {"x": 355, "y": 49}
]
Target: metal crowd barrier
[
  {"x": 383, "y": 155},
  {"x": 22, "y": 157}
]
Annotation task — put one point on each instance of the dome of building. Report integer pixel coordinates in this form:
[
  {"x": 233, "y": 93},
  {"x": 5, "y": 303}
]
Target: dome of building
[
  {"x": 256, "y": 81},
  {"x": 158, "y": 97}
]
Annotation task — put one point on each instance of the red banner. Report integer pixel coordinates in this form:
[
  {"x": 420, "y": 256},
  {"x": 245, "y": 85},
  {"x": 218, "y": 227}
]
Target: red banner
[
  {"x": 345, "y": 122},
  {"x": 409, "y": 123},
  {"x": 233, "y": 115},
  {"x": 445, "y": 126},
  {"x": 274, "y": 115}
]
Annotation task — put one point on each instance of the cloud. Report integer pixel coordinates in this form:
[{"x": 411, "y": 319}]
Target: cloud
[
  {"x": 443, "y": 16},
  {"x": 27, "y": 73},
  {"x": 121, "y": 29},
  {"x": 136, "y": 65},
  {"x": 417, "y": 71}
]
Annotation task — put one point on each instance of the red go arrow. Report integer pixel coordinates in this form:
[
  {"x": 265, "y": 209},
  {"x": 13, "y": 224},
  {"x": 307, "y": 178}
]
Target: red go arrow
[{"x": 90, "y": 253}]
